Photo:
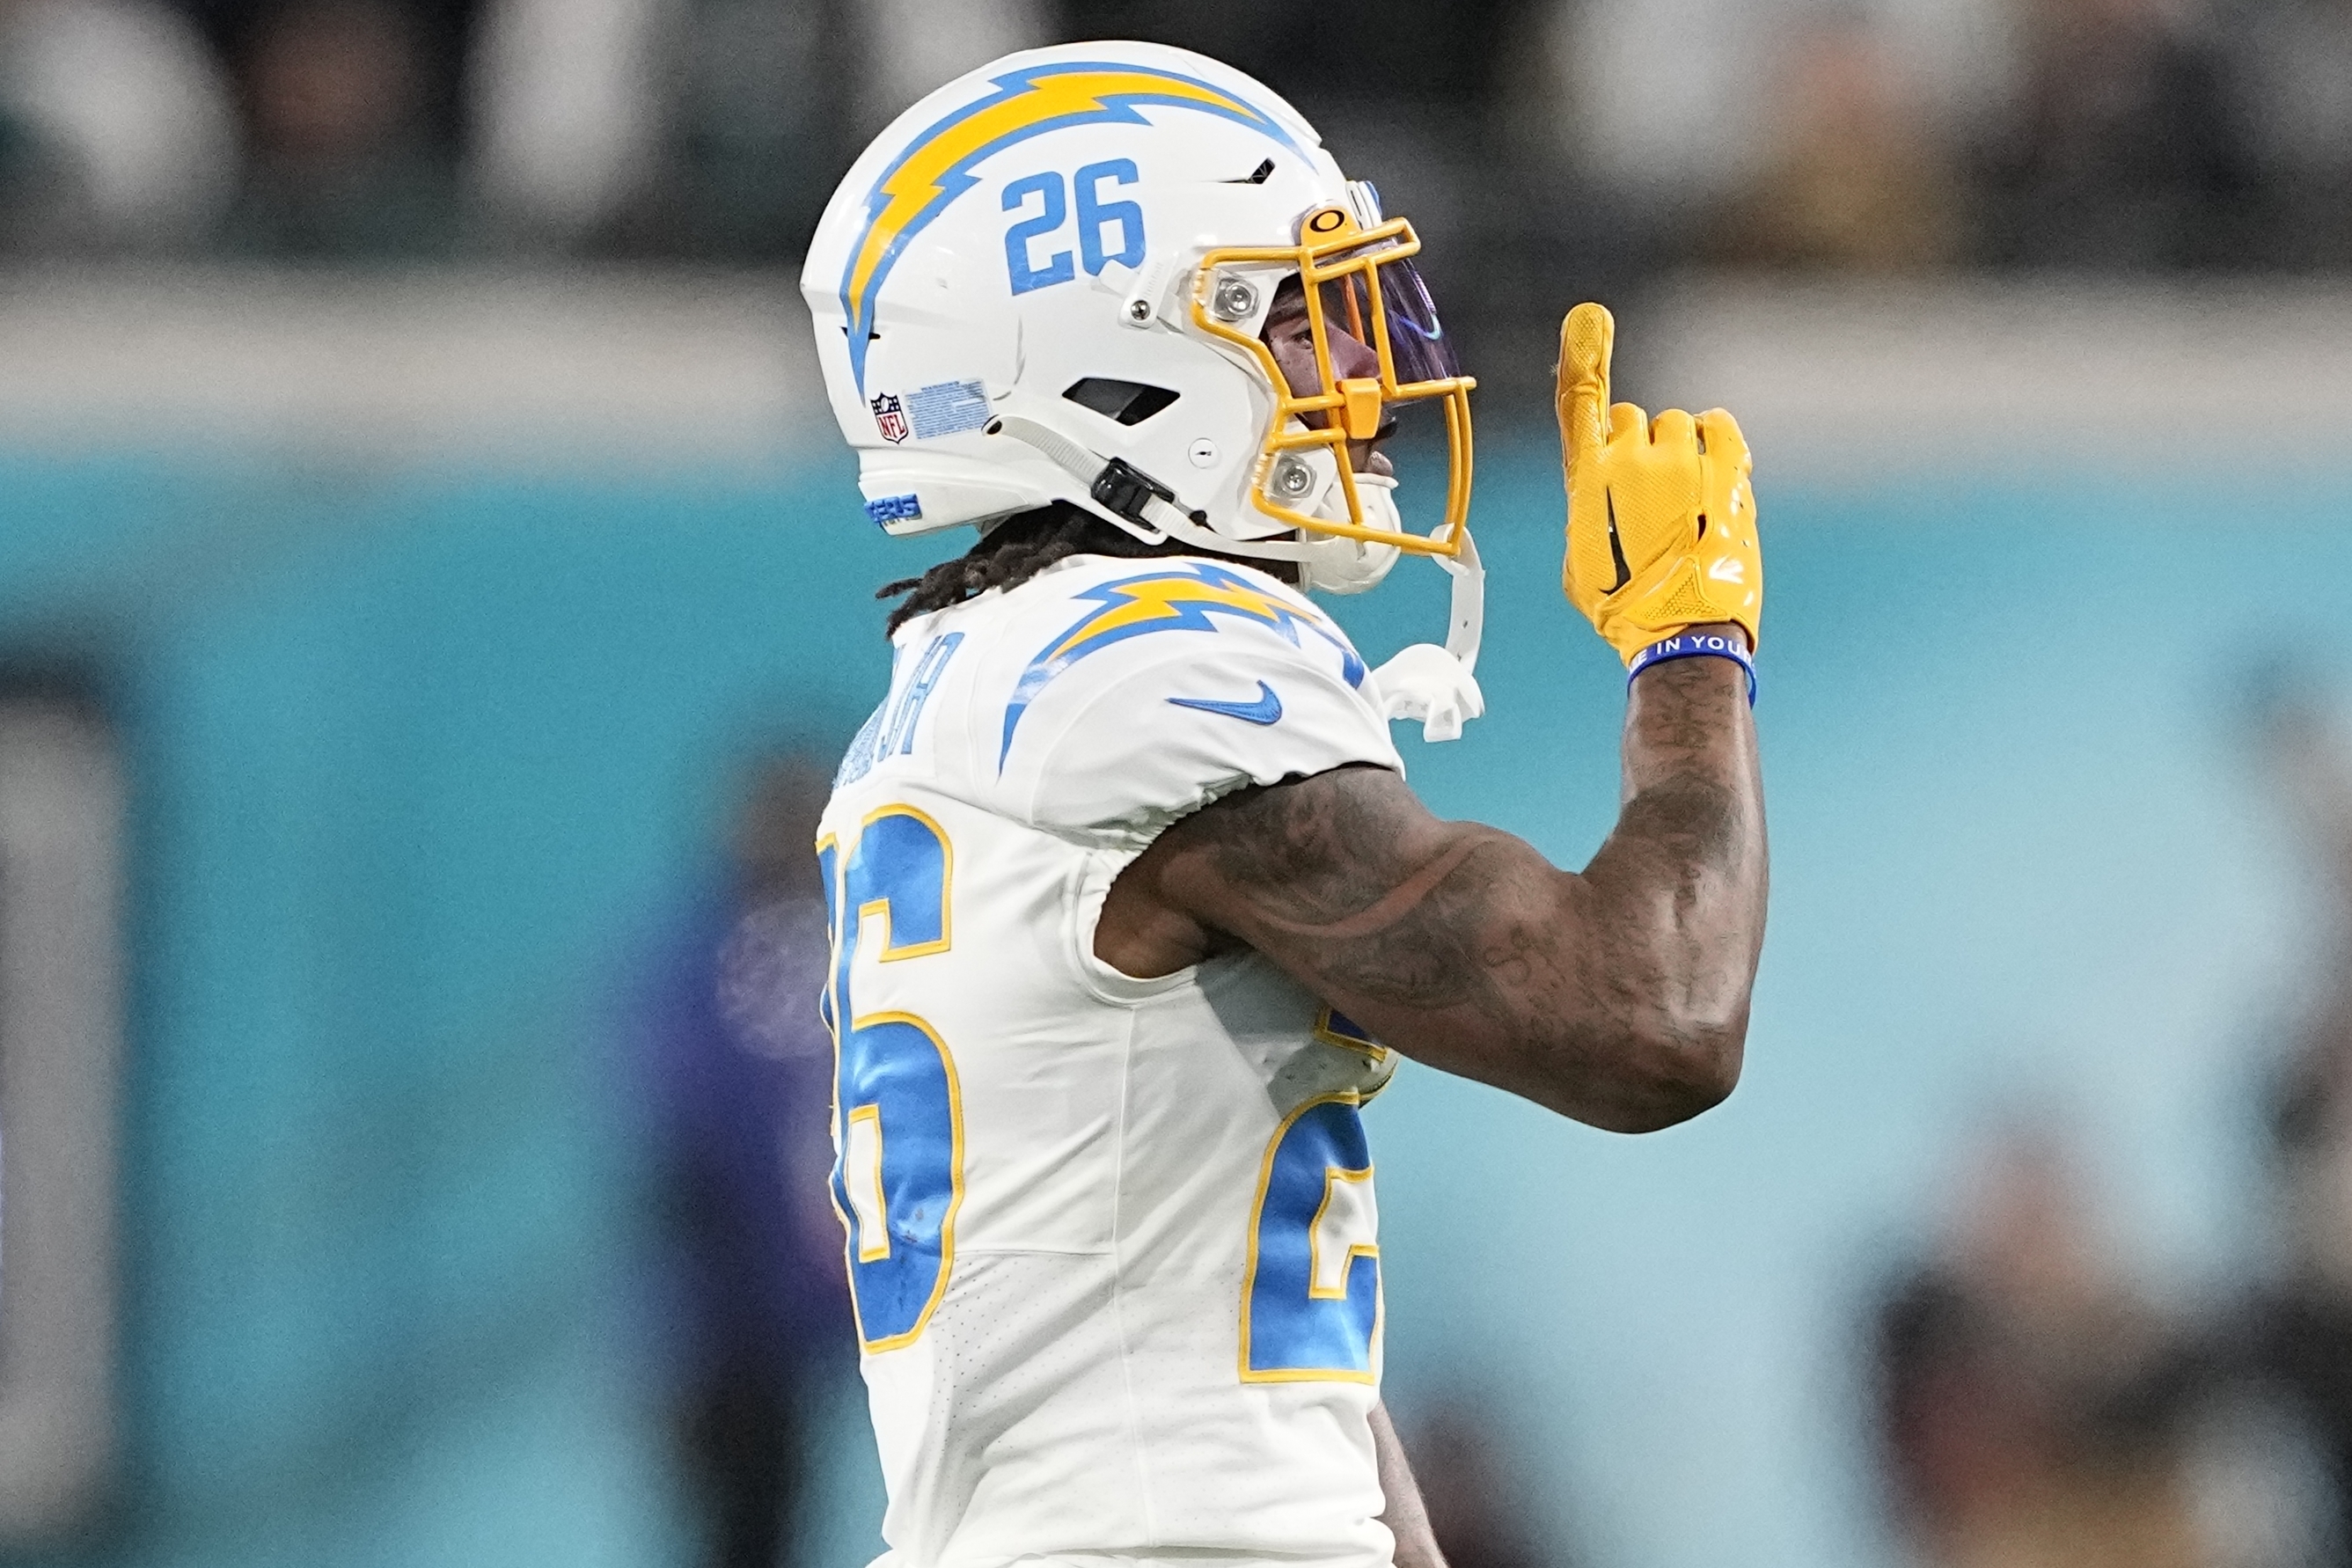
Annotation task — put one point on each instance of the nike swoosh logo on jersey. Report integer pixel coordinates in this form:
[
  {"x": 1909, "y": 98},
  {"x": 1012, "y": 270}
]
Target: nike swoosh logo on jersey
[{"x": 1266, "y": 710}]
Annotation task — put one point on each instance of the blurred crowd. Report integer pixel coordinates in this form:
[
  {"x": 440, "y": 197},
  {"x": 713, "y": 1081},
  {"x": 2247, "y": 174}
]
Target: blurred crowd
[
  {"x": 2093, "y": 133},
  {"x": 2124, "y": 134},
  {"x": 2036, "y": 1407}
]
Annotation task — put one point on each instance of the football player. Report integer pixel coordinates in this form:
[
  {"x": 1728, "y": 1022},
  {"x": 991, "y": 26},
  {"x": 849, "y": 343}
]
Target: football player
[{"x": 1133, "y": 907}]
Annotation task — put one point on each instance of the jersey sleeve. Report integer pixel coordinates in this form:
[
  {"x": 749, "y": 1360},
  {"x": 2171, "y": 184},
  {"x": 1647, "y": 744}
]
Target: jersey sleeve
[{"x": 1184, "y": 720}]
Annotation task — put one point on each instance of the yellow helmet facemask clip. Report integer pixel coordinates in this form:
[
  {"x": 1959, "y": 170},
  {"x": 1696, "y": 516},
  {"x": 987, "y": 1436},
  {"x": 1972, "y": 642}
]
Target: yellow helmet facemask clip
[{"x": 1339, "y": 262}]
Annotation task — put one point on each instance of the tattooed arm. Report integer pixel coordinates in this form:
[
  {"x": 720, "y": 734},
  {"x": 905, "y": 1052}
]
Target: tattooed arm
[{"x": 1617, "y": 995}]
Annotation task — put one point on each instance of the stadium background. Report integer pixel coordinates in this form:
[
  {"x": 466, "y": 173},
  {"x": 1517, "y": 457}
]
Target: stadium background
[{"x": 431, "y": 496}]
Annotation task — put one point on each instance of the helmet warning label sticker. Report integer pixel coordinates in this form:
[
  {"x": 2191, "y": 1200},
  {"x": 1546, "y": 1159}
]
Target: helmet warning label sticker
[{"x": 947, "y": 408}]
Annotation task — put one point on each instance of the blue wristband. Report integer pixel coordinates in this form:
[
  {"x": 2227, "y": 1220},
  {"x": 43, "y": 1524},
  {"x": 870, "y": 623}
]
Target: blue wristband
[{"x": 1695, "y": 645}]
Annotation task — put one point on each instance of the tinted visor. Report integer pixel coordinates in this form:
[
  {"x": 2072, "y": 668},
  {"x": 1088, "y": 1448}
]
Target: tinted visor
[{"x": 1418, "y": 348}]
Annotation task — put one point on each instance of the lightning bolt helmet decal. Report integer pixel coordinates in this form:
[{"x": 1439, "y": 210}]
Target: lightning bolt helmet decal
[{"x": 937, "y": 166}]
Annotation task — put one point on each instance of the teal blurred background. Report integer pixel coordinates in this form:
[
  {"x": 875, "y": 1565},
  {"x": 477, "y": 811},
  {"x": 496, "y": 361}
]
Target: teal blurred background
[
  {"x": 421, "y": 756},
  {"x": 412, "y": 447}
]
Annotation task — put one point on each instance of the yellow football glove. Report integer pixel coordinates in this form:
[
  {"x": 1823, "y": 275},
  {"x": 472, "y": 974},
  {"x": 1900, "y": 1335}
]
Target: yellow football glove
[{"x": 1661, "y": 517}]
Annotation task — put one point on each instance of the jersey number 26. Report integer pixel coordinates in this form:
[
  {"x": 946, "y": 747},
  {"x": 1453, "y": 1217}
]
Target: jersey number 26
[{"x": 897, "y": 1178}]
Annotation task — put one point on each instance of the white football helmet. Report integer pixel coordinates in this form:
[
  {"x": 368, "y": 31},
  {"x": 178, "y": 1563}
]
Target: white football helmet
[{"x": 1045, "y": 283}]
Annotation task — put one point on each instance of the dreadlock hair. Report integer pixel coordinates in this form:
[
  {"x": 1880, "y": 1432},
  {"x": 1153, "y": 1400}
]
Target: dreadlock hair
[{"x": 1018, "y": 549}]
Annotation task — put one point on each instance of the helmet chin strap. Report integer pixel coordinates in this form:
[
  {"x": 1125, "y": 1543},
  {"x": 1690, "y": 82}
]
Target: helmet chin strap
[
  {"x": 1466, "y": 620},
  {"x": 1137, "y": 496}
]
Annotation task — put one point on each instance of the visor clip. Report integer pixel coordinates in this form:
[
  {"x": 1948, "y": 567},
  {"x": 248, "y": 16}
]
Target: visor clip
[
  {"x": 1149, "y": 292},
  {"x": 1127, "y": 491}
]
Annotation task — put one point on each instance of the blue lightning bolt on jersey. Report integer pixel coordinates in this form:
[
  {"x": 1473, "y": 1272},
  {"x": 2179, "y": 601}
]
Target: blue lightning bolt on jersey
[{"x": 1112, "y": 1242}]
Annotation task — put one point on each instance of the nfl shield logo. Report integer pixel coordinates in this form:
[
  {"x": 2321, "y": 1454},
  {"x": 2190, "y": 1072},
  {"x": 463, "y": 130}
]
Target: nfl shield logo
[{"x": 890, "y": 418}]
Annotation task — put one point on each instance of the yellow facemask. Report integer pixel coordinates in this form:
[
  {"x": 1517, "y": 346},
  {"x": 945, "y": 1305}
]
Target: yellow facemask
[{"x": 1363, "y": 280}]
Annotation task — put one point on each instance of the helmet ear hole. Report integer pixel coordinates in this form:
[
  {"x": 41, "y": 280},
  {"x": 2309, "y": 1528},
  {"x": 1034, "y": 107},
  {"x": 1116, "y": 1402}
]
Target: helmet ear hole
[{"x": 1127, "y": 402}]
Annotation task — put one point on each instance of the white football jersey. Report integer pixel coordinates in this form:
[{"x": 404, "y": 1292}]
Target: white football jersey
[{"x": 1112, "y": 1242}]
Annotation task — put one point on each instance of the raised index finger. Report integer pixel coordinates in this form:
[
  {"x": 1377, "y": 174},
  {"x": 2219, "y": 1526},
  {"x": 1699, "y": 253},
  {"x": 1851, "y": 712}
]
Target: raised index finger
[{"x": 1586, "y": 338}]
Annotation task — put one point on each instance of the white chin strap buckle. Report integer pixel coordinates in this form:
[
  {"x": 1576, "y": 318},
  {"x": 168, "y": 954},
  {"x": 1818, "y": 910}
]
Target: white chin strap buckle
[{"x": 1436, "y": 685}]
